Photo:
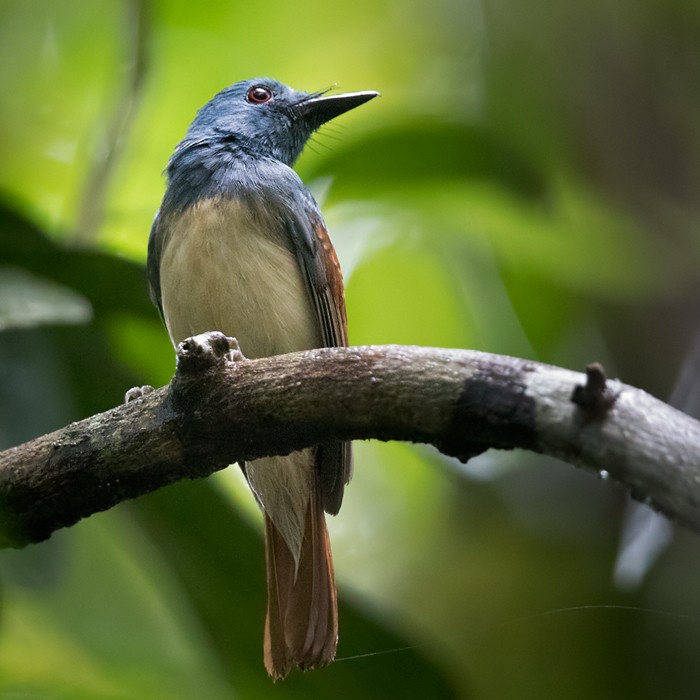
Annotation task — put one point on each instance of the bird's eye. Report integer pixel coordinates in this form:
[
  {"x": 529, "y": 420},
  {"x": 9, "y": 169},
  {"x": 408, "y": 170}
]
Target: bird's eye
[{"x": 259, "y": 94}]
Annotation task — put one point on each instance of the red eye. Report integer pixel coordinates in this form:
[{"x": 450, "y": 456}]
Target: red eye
[{"x": 259, "y": 94}]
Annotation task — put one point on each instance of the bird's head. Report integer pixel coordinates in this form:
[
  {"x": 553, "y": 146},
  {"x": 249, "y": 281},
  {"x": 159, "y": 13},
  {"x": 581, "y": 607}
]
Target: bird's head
[{"x": 269, "y": 119}]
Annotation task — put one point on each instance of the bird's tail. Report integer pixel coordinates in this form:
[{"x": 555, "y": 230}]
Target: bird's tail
[{"x": 301, "y": 628}]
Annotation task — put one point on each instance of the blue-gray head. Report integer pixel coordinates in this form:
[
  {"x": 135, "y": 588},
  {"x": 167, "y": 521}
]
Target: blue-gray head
[{"x": 263, "y": 117}]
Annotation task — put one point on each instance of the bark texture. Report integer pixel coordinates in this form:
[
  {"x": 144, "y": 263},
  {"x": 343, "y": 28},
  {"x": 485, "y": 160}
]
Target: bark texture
[{"x": 221, "y": 408}]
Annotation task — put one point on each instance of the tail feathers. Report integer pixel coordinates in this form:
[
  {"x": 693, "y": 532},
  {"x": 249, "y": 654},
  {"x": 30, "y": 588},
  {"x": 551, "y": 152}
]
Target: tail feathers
[{"x": 301, "y": 629}]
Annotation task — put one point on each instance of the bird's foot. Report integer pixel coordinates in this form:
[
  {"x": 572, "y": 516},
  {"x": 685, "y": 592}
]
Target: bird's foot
[
  {"x": 207, "y": 350},
  {"x": 137, "y": 392}
]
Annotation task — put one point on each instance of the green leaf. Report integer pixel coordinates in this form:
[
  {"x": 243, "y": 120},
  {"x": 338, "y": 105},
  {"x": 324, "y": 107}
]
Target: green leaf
[
  {"x": 83, "y": 611},
  {"x": 27, "y": 300},
  {"x": 380, "y": 162},
  {"x": 110, "y": 283}
]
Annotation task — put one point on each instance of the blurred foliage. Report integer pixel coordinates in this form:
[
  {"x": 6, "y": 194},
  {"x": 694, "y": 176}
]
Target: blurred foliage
[{"x": 528, "y": 184}]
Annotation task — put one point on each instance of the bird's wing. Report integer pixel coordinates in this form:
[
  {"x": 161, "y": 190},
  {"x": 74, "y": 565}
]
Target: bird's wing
[
  {"x": 324, "y": 281},
  {"x": 156, "y": 241}
]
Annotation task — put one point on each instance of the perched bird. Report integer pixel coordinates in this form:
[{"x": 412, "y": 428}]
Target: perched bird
[{"x": 239, "y": 246}]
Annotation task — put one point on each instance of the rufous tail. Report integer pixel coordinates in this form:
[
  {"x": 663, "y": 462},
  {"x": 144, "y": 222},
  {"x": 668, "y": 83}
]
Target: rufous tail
[{"x": 301, "y": 628}]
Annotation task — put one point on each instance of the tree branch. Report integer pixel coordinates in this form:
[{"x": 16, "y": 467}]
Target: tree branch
[{"x": 221, "y": 408}]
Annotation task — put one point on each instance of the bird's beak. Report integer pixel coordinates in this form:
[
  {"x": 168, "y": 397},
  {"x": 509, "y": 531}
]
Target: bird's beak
[{"x": 323, "y": 108}]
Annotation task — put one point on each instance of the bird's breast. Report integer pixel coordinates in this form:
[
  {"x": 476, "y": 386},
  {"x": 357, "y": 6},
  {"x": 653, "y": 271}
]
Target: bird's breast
[{"x": 226, "y": 268}]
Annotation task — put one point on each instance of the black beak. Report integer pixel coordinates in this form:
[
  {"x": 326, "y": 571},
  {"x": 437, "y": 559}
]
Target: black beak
[{"x": 323, "y": 108}]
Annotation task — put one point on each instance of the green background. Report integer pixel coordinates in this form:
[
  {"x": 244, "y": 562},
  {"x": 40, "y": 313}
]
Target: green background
[{"x": 527, "y": 184}]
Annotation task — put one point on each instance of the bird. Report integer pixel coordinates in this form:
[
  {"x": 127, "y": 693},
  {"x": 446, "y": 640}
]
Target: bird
[{"x": 239, "y": 245}]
